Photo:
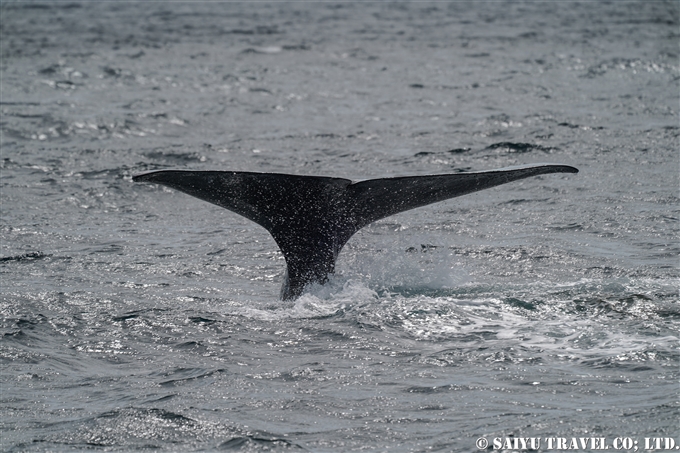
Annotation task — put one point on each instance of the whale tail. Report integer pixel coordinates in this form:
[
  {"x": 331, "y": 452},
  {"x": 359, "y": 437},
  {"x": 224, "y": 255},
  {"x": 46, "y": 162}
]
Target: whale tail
[{"x": 312, "y": 217}]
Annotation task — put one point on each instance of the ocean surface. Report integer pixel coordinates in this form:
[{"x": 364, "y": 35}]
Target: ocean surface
[{"x": 135, "y": 317}]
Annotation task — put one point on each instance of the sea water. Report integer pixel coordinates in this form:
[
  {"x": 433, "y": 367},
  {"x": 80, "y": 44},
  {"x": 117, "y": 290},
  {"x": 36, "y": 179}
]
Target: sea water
[{"x": 135, "y": 317}]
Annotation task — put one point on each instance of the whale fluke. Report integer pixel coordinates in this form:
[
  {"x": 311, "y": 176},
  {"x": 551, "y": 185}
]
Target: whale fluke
[{"x": 312, "y": 217}]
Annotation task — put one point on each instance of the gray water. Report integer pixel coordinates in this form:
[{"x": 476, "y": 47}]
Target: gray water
[{"x": 138, "y": 318}]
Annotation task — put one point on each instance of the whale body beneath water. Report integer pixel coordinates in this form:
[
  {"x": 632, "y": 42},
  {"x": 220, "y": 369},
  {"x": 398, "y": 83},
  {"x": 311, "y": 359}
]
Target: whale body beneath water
[{"x": 312, "y": 217}]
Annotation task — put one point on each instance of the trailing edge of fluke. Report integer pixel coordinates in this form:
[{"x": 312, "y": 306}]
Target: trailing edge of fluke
[{"x": 312, "y": 217}]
